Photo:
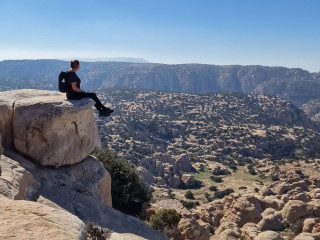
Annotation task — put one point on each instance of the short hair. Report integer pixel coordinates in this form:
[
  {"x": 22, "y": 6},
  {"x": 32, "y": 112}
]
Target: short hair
[{"x": 74, "y": 63}]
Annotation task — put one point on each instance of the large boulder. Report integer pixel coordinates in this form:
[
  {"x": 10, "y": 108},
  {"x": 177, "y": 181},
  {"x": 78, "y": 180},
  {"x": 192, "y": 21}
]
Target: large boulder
[
  {"x": 228, "y": 231},
  {"x": 307, "y": 236},
  {"x": 309, "y": 223},
  {"x": 211, "y": 213},
  {"x": 268, "y": 235},
  {"x": 84, "y": 190},
  {"x": 249, "y": 231},
  {"x": 190, "y": 229},
  {"x": 270, "y": 222},
  {"x": 183, "y": 163},
  {"x": 15, "y": 181},
  {"x": 243, "y": 210},
  {"x": 31, "y": 220},
  {"x": 47, "y": 127},
  {"x": 295, "y": 209}
]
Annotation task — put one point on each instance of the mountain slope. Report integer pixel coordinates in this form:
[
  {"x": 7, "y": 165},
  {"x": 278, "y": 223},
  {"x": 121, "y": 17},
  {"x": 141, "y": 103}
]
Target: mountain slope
[
  {"x": 295, "y": 85},
  {"x": 207, "y": 126}
]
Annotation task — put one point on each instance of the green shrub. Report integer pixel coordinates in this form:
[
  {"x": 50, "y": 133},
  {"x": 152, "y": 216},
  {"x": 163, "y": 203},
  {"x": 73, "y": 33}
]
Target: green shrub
[
  {"x": 216, "y": 179},
  {"x": 97, "y": 232},
  {"x": 196, "y": 185},
  {"x": 221, "y": 194},
  {"x": 171, "y": 195},
  {"x": 189, "y": 195},
  {"x": 189, "y": 204},
  {"x": 251, "y": 170},
  {"x": 275, "y": 178},
  {"x": 208, "y": 197},
  {"x": 211, "y": 229},
  {"x": 213, "y": 188},
  {"x": 127, "y": 189},
  {"x": 164, "y": 218}
]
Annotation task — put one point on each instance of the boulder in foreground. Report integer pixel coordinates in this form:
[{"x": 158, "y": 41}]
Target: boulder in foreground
[
  {"x": 30, "y": 220},
  {"x": 46, "y": 127}
]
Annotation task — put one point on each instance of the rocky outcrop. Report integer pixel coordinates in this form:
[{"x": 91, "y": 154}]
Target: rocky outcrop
[
  {"x": 307, "y": 236},
  {"x": 82, "y": 189},
  {"x": 268, "y": 235},
  {"x": 243, "y": 210},
  {"x": 190, "y": 229},
  {"x": 163, "y": 170},
  {"x": 15, "y": 181},
  {"x": 295, "y": 209},
  {"x": 47, "y": 162},
  {"x": 31, "y": 220},
  {"x": 47, "y": 128},
  {"x": 267, "y": 214},
  {"x": 1, "y": 147}
]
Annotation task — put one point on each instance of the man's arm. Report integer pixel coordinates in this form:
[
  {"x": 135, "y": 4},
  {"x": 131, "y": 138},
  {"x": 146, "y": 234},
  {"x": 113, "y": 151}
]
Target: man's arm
[{"x": 75, "y": 88}]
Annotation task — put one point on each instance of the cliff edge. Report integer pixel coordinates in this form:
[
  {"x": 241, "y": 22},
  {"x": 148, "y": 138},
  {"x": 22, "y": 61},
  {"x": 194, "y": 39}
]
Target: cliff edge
[{"x": 50, "y": 186}]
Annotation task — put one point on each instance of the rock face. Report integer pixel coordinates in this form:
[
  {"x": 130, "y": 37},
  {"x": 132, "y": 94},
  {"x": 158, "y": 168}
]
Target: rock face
[
  {"x": 47, "y": 128},
  {"x": 269, "y": 235},
  {"x": 15, "y": 181},
  {"x": 1, "y": 147},
  {"x": 30, "y": 220},
  {"x": 191, "y": 230},
  {"x": 164, "y": 170},
  {"x": 294, "y": 84},
  {"x": 295, "y": 209}
]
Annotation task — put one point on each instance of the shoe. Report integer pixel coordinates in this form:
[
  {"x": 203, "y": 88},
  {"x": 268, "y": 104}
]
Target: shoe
[{"x": 106, "y": 112}]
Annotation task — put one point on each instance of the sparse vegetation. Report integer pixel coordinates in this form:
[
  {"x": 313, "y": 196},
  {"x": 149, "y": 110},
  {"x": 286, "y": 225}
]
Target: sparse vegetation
[
  {"x": 166, "y": 221},
  {"x": 128, "y": 191},
  {"x": 216, "y": 179},
  {"x": 221, "y": 194},
  {"x": 189, "y": 195},
  {"x": 190, "y": 204}
]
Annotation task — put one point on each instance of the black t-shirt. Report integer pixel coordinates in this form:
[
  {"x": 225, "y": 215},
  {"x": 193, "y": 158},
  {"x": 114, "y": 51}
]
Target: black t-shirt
[{"x": 72, "y": 77}]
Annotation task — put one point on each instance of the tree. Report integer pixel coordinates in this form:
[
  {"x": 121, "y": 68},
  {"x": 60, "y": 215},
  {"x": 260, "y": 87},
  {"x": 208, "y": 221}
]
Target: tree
[
  {"x": 127, "y": 189},
  {"x": 189, "y": 195}
]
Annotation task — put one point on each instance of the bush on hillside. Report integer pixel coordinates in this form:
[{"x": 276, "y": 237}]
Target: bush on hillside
[
  {"x": 127, "y": 189},
  {"x": 221, "y": 194},
  {"x": 213, "y": 188},
  {"x": 189, "y": 195},
  {"x": 216, "y": 179},
  {"x": 164, "y": 218},
  {"x": 166, "y": 221},
  {"x": 189, "y": 204}
]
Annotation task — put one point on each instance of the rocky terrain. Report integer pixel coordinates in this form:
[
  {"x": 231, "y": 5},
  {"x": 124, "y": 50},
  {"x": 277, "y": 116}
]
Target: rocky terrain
[
  {"x": 296, "y": 85},
  {"x": 284, "y": 209},
  {"x": 50, "y": 186},
  {"x": 246, "y": 159},
  {"x": 227, "y": 127}
]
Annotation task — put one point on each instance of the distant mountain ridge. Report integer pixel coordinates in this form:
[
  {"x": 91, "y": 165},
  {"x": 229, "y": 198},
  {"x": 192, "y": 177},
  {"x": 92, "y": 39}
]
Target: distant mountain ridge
[
  {"x": 293, "y": 84},
  {"x": 114, "y": 59}
]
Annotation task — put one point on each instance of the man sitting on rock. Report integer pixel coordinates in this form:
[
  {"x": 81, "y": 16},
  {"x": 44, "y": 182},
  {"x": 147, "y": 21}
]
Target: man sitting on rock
[{"x": 75, "y": 93}]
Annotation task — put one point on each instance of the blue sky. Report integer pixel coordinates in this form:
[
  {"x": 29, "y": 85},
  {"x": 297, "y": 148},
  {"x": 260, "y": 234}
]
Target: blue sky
[{"x": 245, "y": 32}]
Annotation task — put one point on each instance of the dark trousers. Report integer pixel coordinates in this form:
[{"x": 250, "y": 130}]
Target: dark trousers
[{"x": 93, "y": 96}]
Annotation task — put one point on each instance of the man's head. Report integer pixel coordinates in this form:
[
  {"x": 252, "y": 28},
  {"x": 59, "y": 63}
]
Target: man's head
[{"x": 75, "y": 64}]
